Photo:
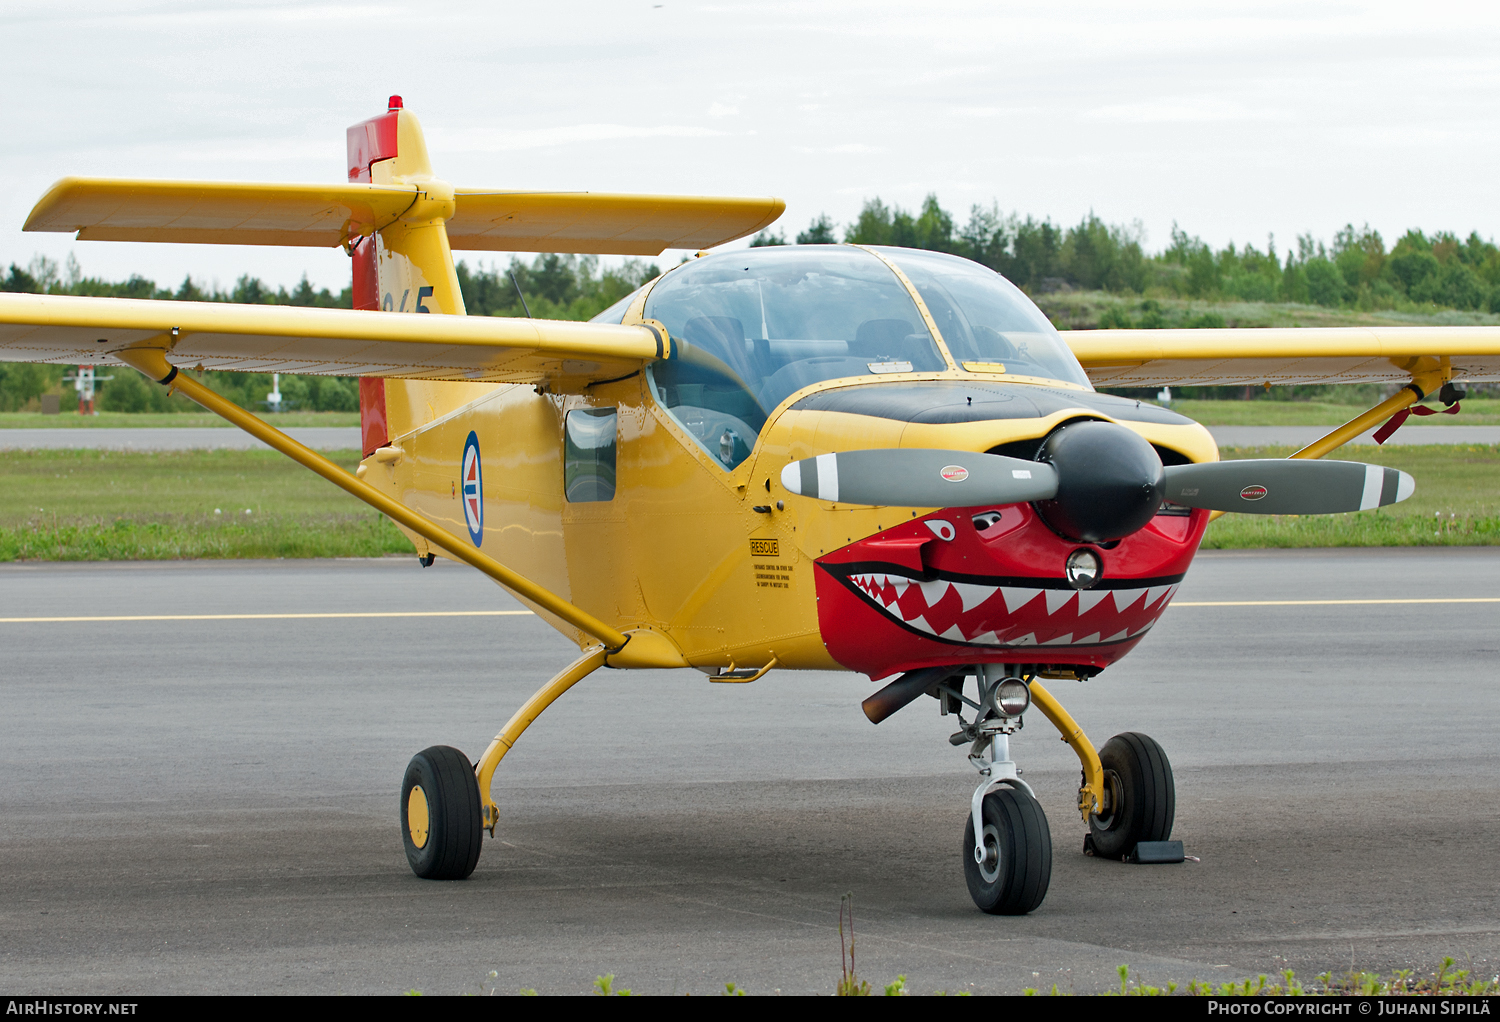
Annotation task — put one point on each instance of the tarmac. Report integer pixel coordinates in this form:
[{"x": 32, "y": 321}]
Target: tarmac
[{"x": 201, "y": 804}]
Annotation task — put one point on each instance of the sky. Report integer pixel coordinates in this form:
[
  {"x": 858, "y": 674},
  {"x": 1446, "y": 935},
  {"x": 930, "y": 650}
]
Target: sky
[{"x": 1234, "y": 120}]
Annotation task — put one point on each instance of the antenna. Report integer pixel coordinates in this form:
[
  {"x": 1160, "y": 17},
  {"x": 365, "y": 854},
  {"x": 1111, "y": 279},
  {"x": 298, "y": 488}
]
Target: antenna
[{"x": 513, "y": 280}]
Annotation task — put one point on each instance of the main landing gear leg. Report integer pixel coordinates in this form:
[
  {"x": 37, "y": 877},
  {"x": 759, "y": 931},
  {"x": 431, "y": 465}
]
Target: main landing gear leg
[
  {"x": 446, "y": 803},
  {"x": 1128, "y": 794}
]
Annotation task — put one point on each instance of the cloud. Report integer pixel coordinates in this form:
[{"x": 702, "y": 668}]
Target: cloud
[
  {"x": 486, "y": 141},
  {"x": 854, "y": 148},
  {"x": 1184, "y": 110},
  {"x": 720, "y": 110}
]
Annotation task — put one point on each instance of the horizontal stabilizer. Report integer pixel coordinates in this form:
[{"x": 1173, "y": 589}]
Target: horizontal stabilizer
[
  {"x": 328, "y": 215},
  {"x": 598, "y": 222},
  {"x": 1291, "y": 486},
  {"x": 337, "y": 342},
  {"x": 218, "y": 213}
]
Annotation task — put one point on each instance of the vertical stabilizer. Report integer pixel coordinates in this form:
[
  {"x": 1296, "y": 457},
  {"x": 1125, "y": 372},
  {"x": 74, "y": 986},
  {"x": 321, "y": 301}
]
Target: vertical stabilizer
[{"x": 406, "y": 267}]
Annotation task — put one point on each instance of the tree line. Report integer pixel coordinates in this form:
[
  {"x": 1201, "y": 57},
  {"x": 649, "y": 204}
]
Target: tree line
[
  {"x": 1420, "y": 272},
  {"x": 553, "y": 286}
]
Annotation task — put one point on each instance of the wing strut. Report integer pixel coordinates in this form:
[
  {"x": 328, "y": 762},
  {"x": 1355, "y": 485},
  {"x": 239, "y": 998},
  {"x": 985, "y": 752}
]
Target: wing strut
[
  {"x": 153, "y": 362},
  {"x": 1403, "y": 398}
]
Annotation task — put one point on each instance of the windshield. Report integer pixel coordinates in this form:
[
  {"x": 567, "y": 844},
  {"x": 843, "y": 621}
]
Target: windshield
[
  {"x": 984, "y": 318},
  {"x": 750, "y": 328}
]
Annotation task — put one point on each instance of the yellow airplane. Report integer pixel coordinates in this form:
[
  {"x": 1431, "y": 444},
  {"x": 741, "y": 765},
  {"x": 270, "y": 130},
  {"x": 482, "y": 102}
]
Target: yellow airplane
[{"x": 830, "y": 457}]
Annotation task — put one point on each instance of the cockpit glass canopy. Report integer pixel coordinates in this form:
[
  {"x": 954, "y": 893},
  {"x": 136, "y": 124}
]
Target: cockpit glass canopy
[
  {"x": 984, "y": 318},
  {"x": 753, "y": 327}
]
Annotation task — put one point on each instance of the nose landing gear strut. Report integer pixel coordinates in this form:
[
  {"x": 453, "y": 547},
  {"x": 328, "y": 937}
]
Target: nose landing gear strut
[{"x": 1127, "y": 793}]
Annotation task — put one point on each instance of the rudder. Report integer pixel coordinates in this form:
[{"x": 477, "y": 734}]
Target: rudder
[{"x": 406, "y": 266}]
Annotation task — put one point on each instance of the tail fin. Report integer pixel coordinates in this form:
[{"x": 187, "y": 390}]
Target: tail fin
[{"x": 405, "y": 266}]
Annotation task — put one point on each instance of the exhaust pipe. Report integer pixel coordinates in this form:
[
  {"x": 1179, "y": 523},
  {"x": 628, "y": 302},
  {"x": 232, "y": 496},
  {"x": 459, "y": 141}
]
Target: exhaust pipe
[{"x": 903, "y": 690}]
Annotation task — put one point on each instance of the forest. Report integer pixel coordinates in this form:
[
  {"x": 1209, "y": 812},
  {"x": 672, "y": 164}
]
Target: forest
[
  {"x": 555, "y": 287},
  {"x": 1420, "y": 273}
]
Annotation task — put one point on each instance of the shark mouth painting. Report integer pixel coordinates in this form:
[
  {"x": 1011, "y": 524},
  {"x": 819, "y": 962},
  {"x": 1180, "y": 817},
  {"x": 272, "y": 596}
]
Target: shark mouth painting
[
  {"x": 989, "y": 585},
  {"x": 1013, "y": 612}
]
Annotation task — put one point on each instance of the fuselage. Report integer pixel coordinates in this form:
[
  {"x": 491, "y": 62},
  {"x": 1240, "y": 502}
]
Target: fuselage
[{"x": 655, "y": 501}]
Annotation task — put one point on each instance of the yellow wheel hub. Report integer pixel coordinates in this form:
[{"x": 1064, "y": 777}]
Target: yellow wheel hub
[{"x": 416, "y": 816}]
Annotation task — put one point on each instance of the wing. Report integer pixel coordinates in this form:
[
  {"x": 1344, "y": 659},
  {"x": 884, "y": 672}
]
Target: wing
[
  {"x": 319, "y": 215},
  {"x": 1150, "y": 358},
  {"x": 338, "y": 342}
]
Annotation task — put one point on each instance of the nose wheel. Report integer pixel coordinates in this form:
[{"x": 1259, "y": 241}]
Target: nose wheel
[{"x": 1008, "y": 870}]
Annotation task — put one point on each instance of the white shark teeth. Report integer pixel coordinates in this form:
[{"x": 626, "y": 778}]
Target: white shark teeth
[
  {"x": 1015, "y": 599},
  {"x": 880, "y": 587},
  {"x": 1056, "y": 598},
  {"x": 1088, "y": 599},
  {"x": 933, "y": 592},
  {"x": 973, "y": 595}
]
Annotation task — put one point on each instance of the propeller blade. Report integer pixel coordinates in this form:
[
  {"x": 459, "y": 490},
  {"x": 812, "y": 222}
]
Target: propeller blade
[
  {"x": 919, "y": 477},
  {"x": 1286, "y": 486}
]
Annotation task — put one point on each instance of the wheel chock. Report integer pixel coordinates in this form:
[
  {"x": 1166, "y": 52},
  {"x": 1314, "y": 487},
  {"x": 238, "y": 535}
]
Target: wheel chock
[{"x": 1156, "y": 852}]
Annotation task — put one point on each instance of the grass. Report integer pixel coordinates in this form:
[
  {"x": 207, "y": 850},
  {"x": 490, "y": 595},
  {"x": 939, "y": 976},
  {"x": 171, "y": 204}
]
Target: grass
[
  {"x": 1081, "y": 310},
  {"x": 1472, "y": 412},
  {"x": 1446, "y": 982},
  {"x": 62, "y": 505},
  {"x": 1457, "y": 503},
  {"x": 169, "y": 505},
  {"x": 69, "y": 419}
]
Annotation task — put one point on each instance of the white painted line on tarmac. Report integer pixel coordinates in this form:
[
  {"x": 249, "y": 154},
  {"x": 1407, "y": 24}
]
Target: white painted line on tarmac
[{"x": 263, "y": 617}]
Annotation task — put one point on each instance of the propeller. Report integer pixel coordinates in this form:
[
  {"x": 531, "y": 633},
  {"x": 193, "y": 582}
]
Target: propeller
[
  {"x": 1094, "y": 481},
  {"x": 1276, "y": 486},
  {"x": 920, "y": 477}
]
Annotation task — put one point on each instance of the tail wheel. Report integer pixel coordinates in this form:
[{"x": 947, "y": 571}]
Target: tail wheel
[
  {"x": 440, "y": 814},
  {"x": 1140, "y": 797},
  {"x": 1012, "y": 879}
]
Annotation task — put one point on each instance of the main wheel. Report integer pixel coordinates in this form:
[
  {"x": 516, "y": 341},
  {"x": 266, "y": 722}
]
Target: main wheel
[
  {"x": 440, "y": 814},
  {"x": 1012, "y": 880},
  {"x": 1140, "y": 798}
]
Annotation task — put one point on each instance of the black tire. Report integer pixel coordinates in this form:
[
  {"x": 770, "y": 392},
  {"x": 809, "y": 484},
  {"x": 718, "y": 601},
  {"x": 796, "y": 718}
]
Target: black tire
[
  {"x": 446, "y": 786},
  {"x": 1014, "y": 881},
  {"x": 1141, "y": 794}
]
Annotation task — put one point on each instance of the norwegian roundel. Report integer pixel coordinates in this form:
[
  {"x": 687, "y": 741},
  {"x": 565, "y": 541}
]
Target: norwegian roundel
[{"x": 471, "y": 489}]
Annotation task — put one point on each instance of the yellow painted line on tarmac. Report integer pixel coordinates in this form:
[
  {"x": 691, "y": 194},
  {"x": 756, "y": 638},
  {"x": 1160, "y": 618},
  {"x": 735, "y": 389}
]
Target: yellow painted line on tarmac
[
  {"x": 1330, "y": 603},
  {"x": 262, "y": 617}
]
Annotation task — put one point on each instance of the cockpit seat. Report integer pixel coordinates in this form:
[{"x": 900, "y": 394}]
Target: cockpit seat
[{"x": 881, "y": 338}]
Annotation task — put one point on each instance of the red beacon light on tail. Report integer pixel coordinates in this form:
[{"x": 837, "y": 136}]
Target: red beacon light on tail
[{"x": 394, "y": 104}]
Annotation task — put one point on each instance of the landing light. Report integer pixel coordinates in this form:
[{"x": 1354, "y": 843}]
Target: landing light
[
  {"x": 1083, "y": 569},
  {"x": 1013, "y": 697}
]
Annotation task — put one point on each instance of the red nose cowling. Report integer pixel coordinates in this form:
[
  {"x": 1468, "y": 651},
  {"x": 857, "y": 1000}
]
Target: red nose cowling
[{"x": 989, "y": 585}]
